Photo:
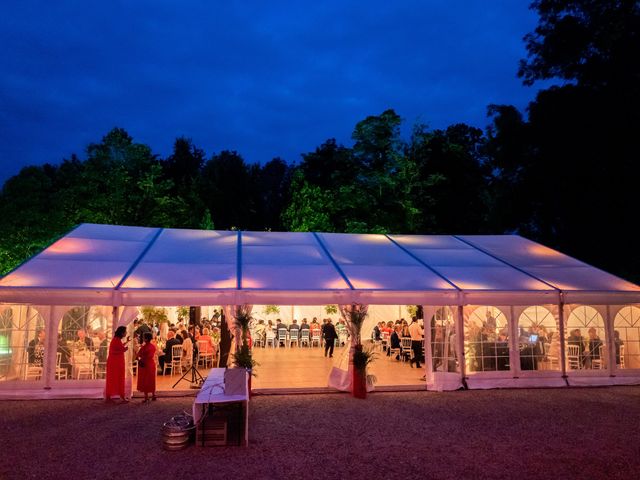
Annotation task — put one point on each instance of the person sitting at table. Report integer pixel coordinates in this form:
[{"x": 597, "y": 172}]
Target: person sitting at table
[
  {"x": 377, "y": 332},
  {"x": 167, "y": 358},
  {"x": 294, "y": 325},
  {"x": 35, "y": 351},
  {"x": 617, "y": 342},
  {"x": 394, "y": 340},
  {"x": 314, "y": 328},
  {"x": 404, "y": 333},
  {"x": 270, "y": 327},
  {"x": 575, "y": 338},
  {"x": 83, "y": 342},
  {"x": 304, "y": 325},
  {"x": 206, "y": 341},
  {"x": 187, "y": 349},
  {"x": 261, "y": 332},
  {"x": 594, "y": 348},
  {"x": 101, "y": 353},
  {"x": 280, "y": 325}
]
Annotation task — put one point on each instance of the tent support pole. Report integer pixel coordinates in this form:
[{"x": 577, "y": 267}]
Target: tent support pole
[
  {"x": 460, "y": 345},
  {"x": 563, "y": 363}
]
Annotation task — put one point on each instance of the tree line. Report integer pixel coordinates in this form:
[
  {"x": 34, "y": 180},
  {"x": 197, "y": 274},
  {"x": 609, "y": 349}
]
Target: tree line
[{"x": 564, "y": 172}]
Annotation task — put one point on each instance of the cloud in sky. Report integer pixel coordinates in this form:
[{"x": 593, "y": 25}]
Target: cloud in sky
[{"x": 264, "y": 78}]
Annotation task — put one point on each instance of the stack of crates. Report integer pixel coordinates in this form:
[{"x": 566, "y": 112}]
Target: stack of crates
[{"x": 221, "y": 426}]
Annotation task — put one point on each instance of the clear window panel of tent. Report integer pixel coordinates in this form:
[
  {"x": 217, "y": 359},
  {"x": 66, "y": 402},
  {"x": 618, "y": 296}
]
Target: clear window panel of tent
[
  {"x": 538, "y": 339},
  {"x": 487, "y": 340},
  {"x": 22, "y": 343},
  {"x": 443, "y": 341},
  {"x": 586, "y": 346},
  {"x": 84, "y": 334},
  {"x": 626, "y": 338}
]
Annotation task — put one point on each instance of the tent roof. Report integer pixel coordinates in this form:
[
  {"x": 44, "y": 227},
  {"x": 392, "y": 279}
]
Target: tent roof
[{"x": 117, "y": 265}]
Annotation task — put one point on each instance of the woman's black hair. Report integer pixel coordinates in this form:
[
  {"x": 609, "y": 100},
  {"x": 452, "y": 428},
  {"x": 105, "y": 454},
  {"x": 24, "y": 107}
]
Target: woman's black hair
[
  {"x": 147, "y": 337},
  {"x": 120, "y": 331}
]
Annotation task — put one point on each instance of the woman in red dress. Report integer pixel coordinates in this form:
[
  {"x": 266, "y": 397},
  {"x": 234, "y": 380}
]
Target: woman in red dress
[
  {"x": 147, "y": 368},
  {"x": 115, "y": 366}
]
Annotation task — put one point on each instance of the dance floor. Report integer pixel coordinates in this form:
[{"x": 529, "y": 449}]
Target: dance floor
[{"x": 295, "y": 368}]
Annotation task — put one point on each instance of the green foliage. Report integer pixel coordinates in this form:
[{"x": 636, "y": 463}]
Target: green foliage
[
  {"x": 362, "y": 358},
  {"x": 271, "y": 309},
  {"x": 331, "y": 309},
  {"x": 354, "y": 316},
  {"x": 155, "y": 314},
  {"x": 182, "y": 312},
  {"x": 242, "y": 321},
  {"x": 242, "y": 358}
]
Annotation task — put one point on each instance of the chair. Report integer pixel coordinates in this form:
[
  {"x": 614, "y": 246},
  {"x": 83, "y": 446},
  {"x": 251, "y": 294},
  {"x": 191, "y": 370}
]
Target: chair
[
  {"x": 282, "y": 336},
  {"x": 204, "y": 356},
  {"x": 343, "y": 337},
  {"x": 293, "y": 337},
  {"x": 394, "y": 352},
  {"x": 384, "y": 340},
  {"x": 257, "y": 338},
  {"x": 315, "y": 338},
  {"x": 176, "y": 359},
  {"x": 33, "y": 373},
  {"x": 61, "y": 373},
  {"x": 598, "y": 363},
  {"x": 84, "y": 370},
  {"x": 270, "y": 339},
  {"x": 622, "y": 356},
  {"x": 407, "y": 352},
  {"x": 573, "y": 357},
  {"x": 304, "y": 337}
]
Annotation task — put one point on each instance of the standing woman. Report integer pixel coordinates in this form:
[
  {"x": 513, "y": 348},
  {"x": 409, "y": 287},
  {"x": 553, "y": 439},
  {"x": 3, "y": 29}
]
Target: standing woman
[
  {"x": 147, "y": 368},
  {"x": 115, "y": 366}
]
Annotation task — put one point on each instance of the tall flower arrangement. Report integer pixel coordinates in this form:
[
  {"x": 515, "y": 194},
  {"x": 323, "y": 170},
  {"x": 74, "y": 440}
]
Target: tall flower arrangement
[
  {"x": 354, "y": 316},
  {"x": 242, "y": 358}
]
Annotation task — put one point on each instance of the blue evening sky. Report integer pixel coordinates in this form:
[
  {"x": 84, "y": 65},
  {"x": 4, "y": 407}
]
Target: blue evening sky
[{"x": 267, "y": 79}]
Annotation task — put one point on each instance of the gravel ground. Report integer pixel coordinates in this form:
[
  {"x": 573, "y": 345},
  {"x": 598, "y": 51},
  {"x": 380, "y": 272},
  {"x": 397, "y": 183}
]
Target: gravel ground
[{"x": 565, "y": 433}]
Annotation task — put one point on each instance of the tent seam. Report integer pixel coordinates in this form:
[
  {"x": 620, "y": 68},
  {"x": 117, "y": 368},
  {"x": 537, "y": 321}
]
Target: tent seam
[
  {"x": 473, "y": 245},
  {"x": 139, "y": 259},
  {"x": 421, "y": 262},
  {"x": 332, "y": 260}
]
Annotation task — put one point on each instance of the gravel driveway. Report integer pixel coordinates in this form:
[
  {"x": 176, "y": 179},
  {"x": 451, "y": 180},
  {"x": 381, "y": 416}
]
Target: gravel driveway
[{"x": 545, "y": 433}]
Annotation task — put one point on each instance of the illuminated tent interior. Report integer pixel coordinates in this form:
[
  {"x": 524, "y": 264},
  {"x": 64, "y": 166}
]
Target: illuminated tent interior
[{"x": 499, "y": 291}]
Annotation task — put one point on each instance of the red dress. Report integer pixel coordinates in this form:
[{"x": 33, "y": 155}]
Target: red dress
[
  {"x": 147, "y": 371},
  {"x": 115, "y": 369}
]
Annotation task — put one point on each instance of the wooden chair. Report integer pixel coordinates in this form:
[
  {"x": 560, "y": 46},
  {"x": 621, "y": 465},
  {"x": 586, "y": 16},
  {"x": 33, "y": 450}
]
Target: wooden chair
[
  {"x": 598, "y": 363},
  {"x": 61, "y": 373},
  {"x": 176, "y": 360},
  {"x": 407, "y": 352},
  {"x": 293, "y": 337},
  {"x": 204, "y": 356},
  {"x": 282, "y": 336},
  {"x": 270, "y": 339},
  {"x": 573, "y": 357},
  {"x": 304, "y": 337}
]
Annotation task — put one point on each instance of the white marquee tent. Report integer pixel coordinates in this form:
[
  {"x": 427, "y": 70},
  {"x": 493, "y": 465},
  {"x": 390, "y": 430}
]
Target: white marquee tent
[{"x": 494, "y": 289}]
